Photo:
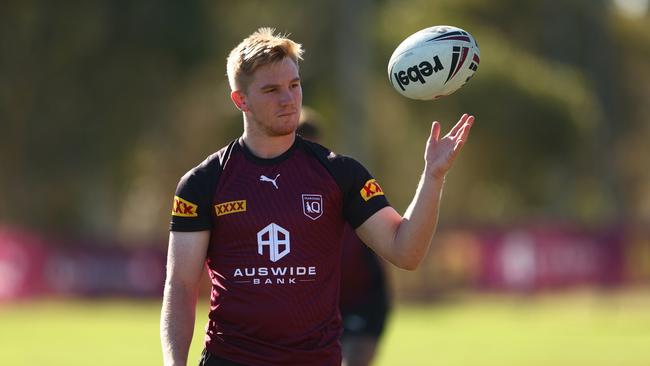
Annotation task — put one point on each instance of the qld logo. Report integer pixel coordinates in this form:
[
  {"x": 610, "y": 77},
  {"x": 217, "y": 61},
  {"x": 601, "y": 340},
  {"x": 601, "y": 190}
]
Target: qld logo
[
  {"x": 312, "y": 205},
  {"x": 277, "y": 239}
]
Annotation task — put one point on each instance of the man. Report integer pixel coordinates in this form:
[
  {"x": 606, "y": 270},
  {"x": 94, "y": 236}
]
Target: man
[
  {"x": 364, "y": 300},
  {"x": 266, "y": 214}
]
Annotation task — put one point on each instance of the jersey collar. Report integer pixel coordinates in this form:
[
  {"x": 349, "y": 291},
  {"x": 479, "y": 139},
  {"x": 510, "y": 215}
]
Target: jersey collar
[{"x": 278, "y": 159}]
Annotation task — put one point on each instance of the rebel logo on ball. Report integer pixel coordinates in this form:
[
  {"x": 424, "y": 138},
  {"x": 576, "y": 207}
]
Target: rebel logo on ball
[
  {"x": 418, "y": 72},
  {"x": 433, "y": 62}
]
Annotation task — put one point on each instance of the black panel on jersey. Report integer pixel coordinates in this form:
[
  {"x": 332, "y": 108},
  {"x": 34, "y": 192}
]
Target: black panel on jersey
[
  {"x": 197, "y": 186},
  {"x": 351, "y": 176}
]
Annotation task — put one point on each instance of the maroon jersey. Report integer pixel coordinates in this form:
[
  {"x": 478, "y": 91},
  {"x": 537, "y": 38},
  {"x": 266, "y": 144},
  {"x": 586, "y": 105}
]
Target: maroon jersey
[{"x": 274, "y": 257}]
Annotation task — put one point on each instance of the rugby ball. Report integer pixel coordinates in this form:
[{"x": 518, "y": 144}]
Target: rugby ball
[{"x": 433, "y": 62}]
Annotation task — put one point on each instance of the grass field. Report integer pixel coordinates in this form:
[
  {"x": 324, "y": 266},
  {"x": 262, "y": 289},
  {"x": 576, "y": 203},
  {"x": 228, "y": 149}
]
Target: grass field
[{"x": 575, "y": 329}]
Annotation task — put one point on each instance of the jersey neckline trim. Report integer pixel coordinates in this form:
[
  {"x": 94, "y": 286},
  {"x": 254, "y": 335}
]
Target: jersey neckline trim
[{"x": 261, "y": 161}]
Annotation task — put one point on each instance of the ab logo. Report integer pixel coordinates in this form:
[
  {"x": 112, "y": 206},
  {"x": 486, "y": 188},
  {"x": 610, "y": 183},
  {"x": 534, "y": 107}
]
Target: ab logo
[{"x": 276, "y": 238}]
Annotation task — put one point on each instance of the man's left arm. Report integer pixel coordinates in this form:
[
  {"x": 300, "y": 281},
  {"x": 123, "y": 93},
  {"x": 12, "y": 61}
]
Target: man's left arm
[{"x": 405, "y": 240}]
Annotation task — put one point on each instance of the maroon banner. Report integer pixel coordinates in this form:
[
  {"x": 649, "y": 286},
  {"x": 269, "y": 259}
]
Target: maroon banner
[
  {"x": 22, "y": 259},
  {"x": 551, "y": 256},
  {"x": 30, "y": 266}
]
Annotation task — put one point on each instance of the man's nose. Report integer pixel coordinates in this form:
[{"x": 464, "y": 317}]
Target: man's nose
[{"x": 286, "y": 97}]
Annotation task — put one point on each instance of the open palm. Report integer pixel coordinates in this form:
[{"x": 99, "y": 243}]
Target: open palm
[{"x": 440, "y": 153}]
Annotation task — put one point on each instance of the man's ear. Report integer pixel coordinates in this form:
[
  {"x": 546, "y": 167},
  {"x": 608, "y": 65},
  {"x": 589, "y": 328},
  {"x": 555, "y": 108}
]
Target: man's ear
[{"x": 239, "y": 99}]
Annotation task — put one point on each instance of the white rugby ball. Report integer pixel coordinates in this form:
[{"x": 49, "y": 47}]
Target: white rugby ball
[{"x": 433, "y": 62}]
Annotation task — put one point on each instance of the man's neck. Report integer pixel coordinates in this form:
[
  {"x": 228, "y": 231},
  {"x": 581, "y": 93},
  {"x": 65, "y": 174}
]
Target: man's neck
[{"x": 266, "y": 147}]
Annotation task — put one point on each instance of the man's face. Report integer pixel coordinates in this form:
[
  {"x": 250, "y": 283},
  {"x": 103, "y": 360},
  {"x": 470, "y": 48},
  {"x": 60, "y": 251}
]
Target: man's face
[{"x": 273, "y": 99}]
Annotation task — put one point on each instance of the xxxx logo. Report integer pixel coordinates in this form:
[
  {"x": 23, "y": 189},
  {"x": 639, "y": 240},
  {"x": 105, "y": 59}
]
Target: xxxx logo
[
  {"x": 230, "y": 207},
  {"x": 184, "y": 208},
  {"x": 370, "y": 190}
]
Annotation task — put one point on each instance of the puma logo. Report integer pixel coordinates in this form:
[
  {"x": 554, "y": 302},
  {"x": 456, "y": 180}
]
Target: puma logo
[{"x": 264, "y": 178}]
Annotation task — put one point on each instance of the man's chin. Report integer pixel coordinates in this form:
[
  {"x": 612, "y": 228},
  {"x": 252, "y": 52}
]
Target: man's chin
[
  {"x": 286, "y": 128},
  {"x": 281, "y": 131}
]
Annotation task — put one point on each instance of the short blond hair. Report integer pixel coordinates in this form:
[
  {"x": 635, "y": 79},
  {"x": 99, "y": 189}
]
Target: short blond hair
[{"x": 260, "y": 48}]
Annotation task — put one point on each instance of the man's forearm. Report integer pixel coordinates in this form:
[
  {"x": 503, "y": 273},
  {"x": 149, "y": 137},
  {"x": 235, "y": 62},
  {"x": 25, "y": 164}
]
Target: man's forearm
[
  {"x": 419, "y": 222},
  {"x": 177, "y": 323}
]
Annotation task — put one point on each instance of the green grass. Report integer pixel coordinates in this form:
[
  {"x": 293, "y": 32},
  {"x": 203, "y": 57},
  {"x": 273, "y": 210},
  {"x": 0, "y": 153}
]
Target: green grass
[
  {"x": 556, "y": 330},
  {"x": 568, "y": 330}
]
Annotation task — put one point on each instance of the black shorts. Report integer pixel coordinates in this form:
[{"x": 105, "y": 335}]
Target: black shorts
[
  {"x": 367, "y": 318},
  {"x": 208, "y": 359}
]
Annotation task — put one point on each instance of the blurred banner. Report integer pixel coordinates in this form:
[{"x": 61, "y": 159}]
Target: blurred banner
[
  {"x": 32, "y": 265},
  {"x": 529, "y": 259},
  {"x": 551, "y": 257},
  {"x": 522, "y": 259}
]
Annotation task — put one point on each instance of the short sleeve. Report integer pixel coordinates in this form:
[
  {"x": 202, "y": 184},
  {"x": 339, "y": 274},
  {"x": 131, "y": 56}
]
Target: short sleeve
[
  {"x": 362, "y": 195},
  {"x": 192, "y": 203}
]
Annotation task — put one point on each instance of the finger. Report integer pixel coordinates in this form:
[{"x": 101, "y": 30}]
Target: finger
[
  {"x": 460, "y": 140},
  {"x": 458, "y": 125},
  {"x": 458, "y": 146},
  {"x": 453, "y": 153},
  {"x": 435, "y": 131},
  {"x": 462, "y": 135}
]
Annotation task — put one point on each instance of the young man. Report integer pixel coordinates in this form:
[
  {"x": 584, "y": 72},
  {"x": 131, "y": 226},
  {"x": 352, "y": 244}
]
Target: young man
[
  {"x": 266, "y": 214},
  {"x": 364, "y": 300}
]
